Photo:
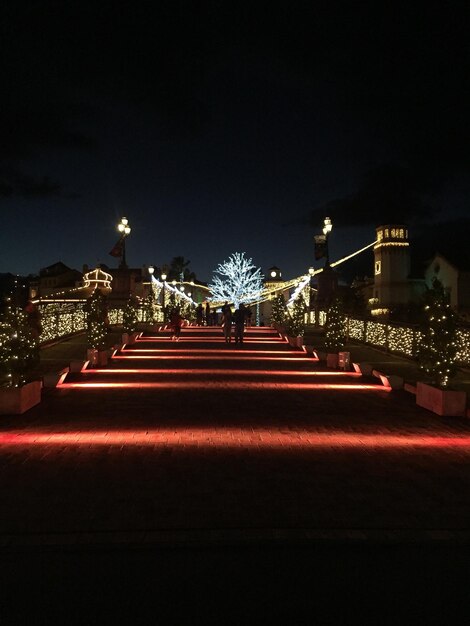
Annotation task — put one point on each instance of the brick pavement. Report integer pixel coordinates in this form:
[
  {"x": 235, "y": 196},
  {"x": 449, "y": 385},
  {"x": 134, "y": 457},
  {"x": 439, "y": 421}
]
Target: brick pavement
[
  {"x": 200, "y": 441},
  {"x": 257, "y": 498}
]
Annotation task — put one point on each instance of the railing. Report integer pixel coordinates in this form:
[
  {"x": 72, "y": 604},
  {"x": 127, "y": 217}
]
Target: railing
[
  {"x": 399, "y": 338},
  {"x": 61, "y": 320}
]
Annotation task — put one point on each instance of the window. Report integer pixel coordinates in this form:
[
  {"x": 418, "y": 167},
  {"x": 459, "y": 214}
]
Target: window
[{"x": 377, "y": 267}]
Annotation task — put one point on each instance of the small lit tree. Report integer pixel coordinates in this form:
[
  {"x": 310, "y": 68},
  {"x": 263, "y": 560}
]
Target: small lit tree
[
  {"x": 335, "y": 333},
  {"x": 96, "y": 320},
  {"x": 19, "y": 348},
  {"x": 278, "y": 314},
  {"x": 149, "y": 307},
  {"x": 238, "y": 281},
  {"x": 130, "y": 317},
  {"x": 295, "y": 319},
  {"x": 438, "y": 347}
]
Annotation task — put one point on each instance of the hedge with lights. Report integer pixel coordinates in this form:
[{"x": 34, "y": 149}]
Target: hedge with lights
[
  {"x": 19, "y": 347},
  {"x": 149, "y": 307},
  {"x": 335, "y": 335},
  {"x": 130, "y": 316},
  {"x": 439, "y": 345}
]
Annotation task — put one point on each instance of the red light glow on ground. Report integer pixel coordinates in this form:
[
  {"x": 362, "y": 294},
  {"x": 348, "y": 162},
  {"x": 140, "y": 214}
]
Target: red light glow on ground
[
  {"x": 214, "y": 351},
  {"x": 219, "y": 372},
  {"x": 214, "y": 438},
  {"x": 212, "y": 384},
  {"x": 216, "y": 357},
  {"x": 215, "y": 338}
]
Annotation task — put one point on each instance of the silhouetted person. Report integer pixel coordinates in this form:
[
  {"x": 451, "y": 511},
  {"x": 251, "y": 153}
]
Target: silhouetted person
[
  {"x": 208, "y": 315},
  {"x": 227, "y": 323},
  {"x": 239, "y": 319},
  {"x": 248, "y": 314},
  {"x": 176, "y": 322},
  {"x": 199, "y": 314}
]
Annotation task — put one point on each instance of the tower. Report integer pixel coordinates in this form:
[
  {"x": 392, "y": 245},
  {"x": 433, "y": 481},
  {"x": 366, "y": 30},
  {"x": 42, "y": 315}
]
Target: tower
[
  {"x": 271, "y": 281},
  {"x": 391, "y": 268}
]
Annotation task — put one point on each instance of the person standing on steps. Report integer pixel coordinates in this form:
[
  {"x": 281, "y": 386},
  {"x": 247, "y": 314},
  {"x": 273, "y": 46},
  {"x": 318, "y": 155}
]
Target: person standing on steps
[
  {"x": 208, "y": 314},
  {"x": 176, "y": 322},
  {"x": 239, "y": 319},
  {"x": 248, "y": 314},
  {"x": 227, "y": 323},
  {"x": 199, "y": 314}
]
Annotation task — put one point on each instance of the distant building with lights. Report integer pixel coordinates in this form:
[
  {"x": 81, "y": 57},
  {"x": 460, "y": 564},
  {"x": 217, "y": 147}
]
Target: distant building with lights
[
  {"x": 272, "y": 281},
  {"x": 393, "y": 285},
  {"x": 53, "y": 278},
  {"x": 454, "y": 274}
]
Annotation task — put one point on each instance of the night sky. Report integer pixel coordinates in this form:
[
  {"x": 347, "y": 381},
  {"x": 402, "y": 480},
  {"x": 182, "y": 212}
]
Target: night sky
[{"x": 229, "y": 126}]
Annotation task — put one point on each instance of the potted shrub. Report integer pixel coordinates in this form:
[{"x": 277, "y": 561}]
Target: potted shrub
[
  {"x": 130, "y": 321},
  {"x": 295, "y": 323},
  {"x": 19, "y": 353},
  {"x": 335, "y": 335},
  {"x": 437, "y": 356},
  {"x": 96, "y": 329},
  {"x": 149, "y": 309}
]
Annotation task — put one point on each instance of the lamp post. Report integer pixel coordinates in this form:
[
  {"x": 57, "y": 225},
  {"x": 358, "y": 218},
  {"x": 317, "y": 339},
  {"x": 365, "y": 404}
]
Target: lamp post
[
  {"x": 124, "y": 229},
  {"x": 163, "y": 278},
  {"x": 327, "y": 228},
  {"x": 151, "y": 270},
  {"x": 311, "y": 272}
]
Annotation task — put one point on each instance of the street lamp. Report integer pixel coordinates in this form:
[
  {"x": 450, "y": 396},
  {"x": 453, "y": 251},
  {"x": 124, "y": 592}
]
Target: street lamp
[
  {"x": 124, "y": 229},
  {"x": 311, "y": 272},
  {"x": 327, "y": 228},
  {"x": 163, "y": 279},
  {"x": 151, "y": 270}
]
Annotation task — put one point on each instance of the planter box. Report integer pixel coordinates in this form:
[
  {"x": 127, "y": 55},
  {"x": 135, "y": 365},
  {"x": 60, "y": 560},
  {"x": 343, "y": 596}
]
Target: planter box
[
  {"x": 51, "y": 379},
  {"x": 129, "y": 338},
  {"x": 76, "y": 366},
  {"x": 102, "y": 359},
  {"x": 97, "y": 357},
  {"x": 344, "y": 359},
  {"x": 92, "y": 356},
  {"x": 295, "y": 342},
  {"x": 18, "y": 400},
  {"x": 332, "y": 360},
  {"x": 441, "y": 401}
]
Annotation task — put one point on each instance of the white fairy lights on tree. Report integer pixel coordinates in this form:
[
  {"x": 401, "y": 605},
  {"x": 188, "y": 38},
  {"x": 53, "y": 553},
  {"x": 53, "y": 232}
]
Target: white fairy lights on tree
[{"x": 239, "y": 280}]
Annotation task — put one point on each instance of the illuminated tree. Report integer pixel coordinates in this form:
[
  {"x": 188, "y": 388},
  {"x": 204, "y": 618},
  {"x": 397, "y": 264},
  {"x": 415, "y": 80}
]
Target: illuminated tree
[
  {"x": 19, "y": 348},
  {"x": 149, "y": 306},
  {"x": 129, "y": 316},
  {"x": 278, "y": 313},
  {"x": 295, "y": 319},
  {"x": 335, "y": 332},
  {"x": 238, "y": 281},
  {"x": 438, "y": 347},
  {"x": 96, "y": 320}
]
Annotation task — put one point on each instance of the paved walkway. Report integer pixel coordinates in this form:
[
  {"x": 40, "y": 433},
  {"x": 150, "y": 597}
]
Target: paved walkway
[
  {"x": 205, "y": 440},
  {"x": 230, "y": 484}
]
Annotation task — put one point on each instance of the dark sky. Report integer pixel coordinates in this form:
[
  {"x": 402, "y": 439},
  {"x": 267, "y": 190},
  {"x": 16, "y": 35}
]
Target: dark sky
[{"x": 228, "y": 126}]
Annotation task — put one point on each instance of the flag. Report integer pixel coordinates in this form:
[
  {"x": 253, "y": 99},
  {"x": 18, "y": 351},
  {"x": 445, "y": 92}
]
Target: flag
[
  {"x": 118, "y": 249},
  {"x": 320, "y": 246}
]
